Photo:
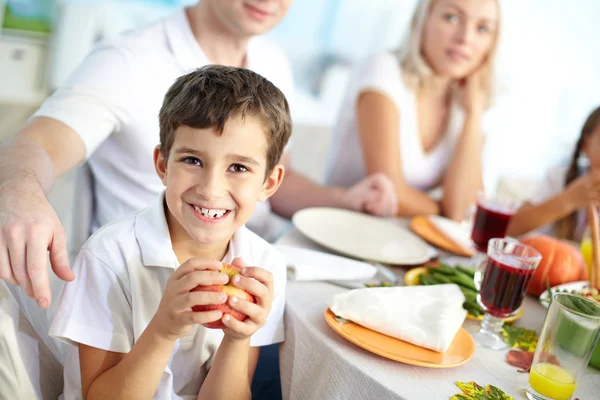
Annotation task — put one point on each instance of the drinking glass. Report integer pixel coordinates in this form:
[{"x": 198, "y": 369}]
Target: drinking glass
[
  {"x": 502, "y": 281},
  {"x": 492, "y": 216},
  {"x": 564, "y": 347}
]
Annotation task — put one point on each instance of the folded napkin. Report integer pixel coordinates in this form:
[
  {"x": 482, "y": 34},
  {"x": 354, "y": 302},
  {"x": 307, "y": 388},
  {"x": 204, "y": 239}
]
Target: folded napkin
[
  {"x": 453, "y": 230},
  {"x": 426, "y": 316},
  {"x": 310, "y": 265}
]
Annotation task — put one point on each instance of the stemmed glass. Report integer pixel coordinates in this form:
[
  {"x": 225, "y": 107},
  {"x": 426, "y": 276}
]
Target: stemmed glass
[{"x": 502, "y": 281}]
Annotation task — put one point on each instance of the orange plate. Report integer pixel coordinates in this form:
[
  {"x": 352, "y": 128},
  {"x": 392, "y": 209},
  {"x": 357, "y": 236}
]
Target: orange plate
[
  {"x": 461, "y": 350},
  {"x": 422, "y": 226}
]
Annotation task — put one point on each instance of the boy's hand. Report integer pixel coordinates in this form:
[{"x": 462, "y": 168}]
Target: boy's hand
[
  {"x": 259, "y": 283},
  {"x": 174, "y": 317}
]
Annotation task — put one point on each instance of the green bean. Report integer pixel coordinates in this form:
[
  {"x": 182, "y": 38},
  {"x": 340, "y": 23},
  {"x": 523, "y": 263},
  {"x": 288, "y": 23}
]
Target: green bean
[
  {"x": 472, "y": 309},
  {"x": 440, "y": 277},
  {"x": 463, "y": 280},
  {"x": 426, "y": 279},
  {"x": 467, "y": 271},
  {"x": 584, "y": 306},
  {"x": 446, "y": 269}
]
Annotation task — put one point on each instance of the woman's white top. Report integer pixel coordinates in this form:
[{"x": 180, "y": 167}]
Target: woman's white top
[{"x": 422, "y": 170}]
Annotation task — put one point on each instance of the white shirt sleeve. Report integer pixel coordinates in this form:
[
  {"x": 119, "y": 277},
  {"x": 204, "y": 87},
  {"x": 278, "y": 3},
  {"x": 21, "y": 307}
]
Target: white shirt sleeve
[
  {"x": 286, "y": 85},
  {"x": 95, "y": 308},
  {"x": 96, "y": 98},
  {"x": 270, "y": 61},
  {"x": 377, "y": 75},
  {"x": 552, "y": 185},
  {"x": 274, "y": 329}
]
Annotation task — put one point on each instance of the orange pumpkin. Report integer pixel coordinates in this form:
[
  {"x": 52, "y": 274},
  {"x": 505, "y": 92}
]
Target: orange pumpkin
[{"x": 561, "y": 263}]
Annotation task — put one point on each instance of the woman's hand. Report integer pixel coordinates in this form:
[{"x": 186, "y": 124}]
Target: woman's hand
[
  {"x": 375, "y": 194},
  {"x": 472, "y": 91}
]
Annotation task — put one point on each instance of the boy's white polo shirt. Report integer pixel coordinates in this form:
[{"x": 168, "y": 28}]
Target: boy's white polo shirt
[
  {"x": 112, "y": 101},
  {"x": 121, "y": 273}
]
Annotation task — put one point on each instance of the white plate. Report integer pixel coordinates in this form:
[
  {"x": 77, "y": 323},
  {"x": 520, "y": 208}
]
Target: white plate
[
  {"x": 362, "y": 236},
  {"x": 579, "y": 285},
  {"x": 453, "y": 230}
]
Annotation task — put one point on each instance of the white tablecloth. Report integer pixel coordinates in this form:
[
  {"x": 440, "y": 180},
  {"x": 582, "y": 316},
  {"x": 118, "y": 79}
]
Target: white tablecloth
[
  {"x": 28, "y": 368},
  {"x": 316, "y": 363}
]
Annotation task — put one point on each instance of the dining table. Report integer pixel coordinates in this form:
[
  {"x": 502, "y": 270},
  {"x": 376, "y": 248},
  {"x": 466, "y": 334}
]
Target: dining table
[{"x": 317, "y": 363}]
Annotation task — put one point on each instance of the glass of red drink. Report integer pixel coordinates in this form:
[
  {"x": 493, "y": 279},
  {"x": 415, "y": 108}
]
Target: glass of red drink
[
  {"x": 502, "y": 281},
  {"x": 491, "y": 219}
]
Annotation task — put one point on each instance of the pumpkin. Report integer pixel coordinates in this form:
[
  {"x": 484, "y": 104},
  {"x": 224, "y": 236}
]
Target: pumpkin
[{"x": 561, "y": 263}]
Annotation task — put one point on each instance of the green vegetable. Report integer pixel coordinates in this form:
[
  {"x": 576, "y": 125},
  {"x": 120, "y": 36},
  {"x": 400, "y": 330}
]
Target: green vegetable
[
  {"x": 426, "y": 279},
  {"x": 473, "y": 391},
  {"x": 467, "y": 271},
  {"x": 446, "y": 269},
  {"x": 441, "y": 278},
  {"x": 582, "y": 305},
  {"x": 461, "y": 277},
  {"x": 463, "y": 280},
  {"x": 520, "y": 338},
  {"x": 474, "y": 310},
  {"x": 470, "y": 295}
]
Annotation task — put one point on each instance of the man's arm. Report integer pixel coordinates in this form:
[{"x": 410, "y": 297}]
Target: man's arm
[
  {"x": 297, "y": 192},
  {"x": 29, "y": 164},
  {"x": 374, "y": 194}
]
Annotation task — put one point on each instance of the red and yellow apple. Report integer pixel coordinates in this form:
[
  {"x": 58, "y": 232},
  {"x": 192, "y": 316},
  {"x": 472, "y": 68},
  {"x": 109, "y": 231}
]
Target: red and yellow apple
[{"x": 230, "y": 290}]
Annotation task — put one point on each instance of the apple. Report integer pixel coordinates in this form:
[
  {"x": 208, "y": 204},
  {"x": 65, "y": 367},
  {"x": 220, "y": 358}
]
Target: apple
[{"x": 230, "y": 290}]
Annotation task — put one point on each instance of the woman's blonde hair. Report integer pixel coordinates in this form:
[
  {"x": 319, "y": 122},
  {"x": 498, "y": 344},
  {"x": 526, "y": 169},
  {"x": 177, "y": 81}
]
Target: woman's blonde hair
[{"x": 414, "y": 67}]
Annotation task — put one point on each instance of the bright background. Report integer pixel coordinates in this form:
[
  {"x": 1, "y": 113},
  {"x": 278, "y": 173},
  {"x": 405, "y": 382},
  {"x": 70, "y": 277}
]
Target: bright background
[{"x": 548, "y": 63}]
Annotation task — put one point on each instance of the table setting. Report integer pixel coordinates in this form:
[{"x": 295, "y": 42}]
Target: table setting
[{"x": 414, "y": 309}]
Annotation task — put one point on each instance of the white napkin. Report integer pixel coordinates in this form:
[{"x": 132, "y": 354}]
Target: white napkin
[
  {"x": 426, "y": 316},
  {"x": 310, "y": 265},
  {"x": 453, "y": 230}
]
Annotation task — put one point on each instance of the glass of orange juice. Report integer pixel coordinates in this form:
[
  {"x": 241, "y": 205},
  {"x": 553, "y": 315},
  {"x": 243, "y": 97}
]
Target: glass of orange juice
[
  {"x": 586, "y": 251},
  {"x": 568, "y": 337}
]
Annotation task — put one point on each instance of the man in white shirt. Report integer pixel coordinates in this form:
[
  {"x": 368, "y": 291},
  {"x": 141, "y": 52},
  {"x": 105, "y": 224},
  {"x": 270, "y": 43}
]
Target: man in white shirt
[{"x": 107, "y": 113}]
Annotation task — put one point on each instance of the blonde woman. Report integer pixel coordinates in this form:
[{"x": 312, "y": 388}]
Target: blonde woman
[{"x": 416, "y": 115}]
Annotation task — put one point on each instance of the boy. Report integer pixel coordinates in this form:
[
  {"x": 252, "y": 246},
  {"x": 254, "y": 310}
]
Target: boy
[{"x": 222, "y": 134}]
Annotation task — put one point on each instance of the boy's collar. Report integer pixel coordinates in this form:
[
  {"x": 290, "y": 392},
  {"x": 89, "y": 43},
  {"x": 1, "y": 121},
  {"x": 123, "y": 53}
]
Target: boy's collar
[{"x": 152, "y": 234}]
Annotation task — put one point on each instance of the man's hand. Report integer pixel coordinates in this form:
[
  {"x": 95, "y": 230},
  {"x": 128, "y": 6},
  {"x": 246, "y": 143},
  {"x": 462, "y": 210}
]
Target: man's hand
[{"x": 29, "y": 229}]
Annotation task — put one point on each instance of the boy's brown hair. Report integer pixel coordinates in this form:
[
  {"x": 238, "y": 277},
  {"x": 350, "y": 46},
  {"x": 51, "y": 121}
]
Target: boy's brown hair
[{"x": 212, "y": 95}]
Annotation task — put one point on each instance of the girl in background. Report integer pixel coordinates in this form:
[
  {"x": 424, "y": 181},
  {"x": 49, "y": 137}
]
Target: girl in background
[{"x": 559, "y": 203}]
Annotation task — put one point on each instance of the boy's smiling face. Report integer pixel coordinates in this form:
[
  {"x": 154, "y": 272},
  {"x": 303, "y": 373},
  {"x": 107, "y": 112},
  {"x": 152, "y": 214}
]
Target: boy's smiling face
[{"x": 213, "y": 182}]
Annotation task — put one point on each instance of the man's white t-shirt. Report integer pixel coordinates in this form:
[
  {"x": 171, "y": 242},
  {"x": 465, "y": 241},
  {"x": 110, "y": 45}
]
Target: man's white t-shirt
[
  {"x": 112, "y": 102},
  {"x": 121, "y": 274},
  {"x": 422, "y": 170}
]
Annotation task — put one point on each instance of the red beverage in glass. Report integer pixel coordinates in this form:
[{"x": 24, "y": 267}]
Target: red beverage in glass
[
  {"x": 489, "y": 223},
  {"x": 504, "y": 284}
]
